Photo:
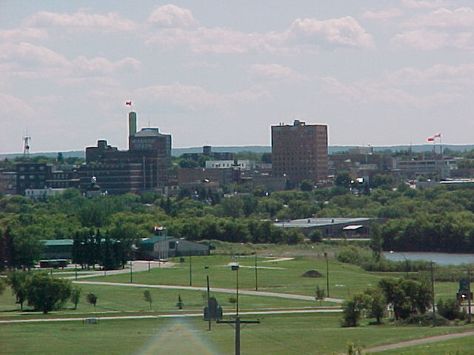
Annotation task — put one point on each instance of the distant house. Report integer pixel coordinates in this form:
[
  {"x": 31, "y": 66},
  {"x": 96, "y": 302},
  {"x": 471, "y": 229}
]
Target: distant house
[
  {"x": 163, "y": 247},
  {"x": 57, "y": 249},
  {"x": 331, "y": 227}
]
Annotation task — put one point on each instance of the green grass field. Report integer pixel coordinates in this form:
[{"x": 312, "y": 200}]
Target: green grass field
[
  {"x": 298, "y": 334},
  {"x": 458, "y": 346},
  {"x": 274, "y": 276},
  {"x": 116, "y": 299}
]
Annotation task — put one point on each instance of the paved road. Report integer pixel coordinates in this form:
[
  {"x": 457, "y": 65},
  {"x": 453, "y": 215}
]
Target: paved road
[
  {"x": 214, "y": 289},
  {"x": 176, "y": 315},
  {"x": 414, "y": 342}
]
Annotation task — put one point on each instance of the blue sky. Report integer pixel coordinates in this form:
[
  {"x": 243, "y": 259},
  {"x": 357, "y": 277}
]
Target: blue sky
[{"x": 221, "y": 73}]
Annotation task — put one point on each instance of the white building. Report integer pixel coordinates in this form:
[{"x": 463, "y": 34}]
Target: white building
[{"x": 225, "y": 164}]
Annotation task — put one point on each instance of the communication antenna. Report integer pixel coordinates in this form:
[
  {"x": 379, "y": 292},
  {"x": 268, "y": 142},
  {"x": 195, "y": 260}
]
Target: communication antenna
[{"x": 26, "y": 145}]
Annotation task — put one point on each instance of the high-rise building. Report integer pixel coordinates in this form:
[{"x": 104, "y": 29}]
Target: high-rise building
[
  {"x": 300, "y": 152},
  {"x": 143, "y": 167}
]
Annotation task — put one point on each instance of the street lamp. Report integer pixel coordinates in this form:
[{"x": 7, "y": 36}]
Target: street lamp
[
  {"x": 235, "y": 267},
  {"x": 190, "y": 270},
  {"x": 208, "y": 297},
  {"x": 256, "y": 272},
  {"x": 327, "y": 273},
  {"x": 131, "y": 271}
]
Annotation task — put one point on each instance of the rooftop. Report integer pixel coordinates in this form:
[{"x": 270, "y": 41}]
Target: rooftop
[{"x": 320, "y": 222}]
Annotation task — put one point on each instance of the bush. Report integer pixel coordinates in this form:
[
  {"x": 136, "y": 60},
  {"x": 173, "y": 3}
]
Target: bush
[
  {"x": 450, "y": 309},
  {"x": 425, "y": 320}
]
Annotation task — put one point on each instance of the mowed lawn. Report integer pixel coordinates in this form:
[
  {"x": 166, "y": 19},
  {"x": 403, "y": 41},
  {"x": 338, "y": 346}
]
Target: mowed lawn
[
  {"x": 275, "y": 276},
  {"x": 291, "y": 334},
  {"x": 117, "y": 299},
  {"x": 460, "y": 346}
]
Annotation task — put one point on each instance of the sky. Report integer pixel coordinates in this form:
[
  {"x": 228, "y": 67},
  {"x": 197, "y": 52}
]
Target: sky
[{"x": 213, "y": 72}]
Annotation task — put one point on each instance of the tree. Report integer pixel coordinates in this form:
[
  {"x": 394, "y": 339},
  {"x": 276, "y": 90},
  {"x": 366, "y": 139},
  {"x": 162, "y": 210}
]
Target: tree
[
  {"x": 376, "y": 304},
  {"x": 315, "y": 236},
  {"x": 352, "y": 310},
  {"x": 147, "y": 297},
  {"x": 91, "y": 299},
  {"x": 75, "y": 295},
  {"x": 18, "y": 281},
  {"x": 2, "y": 286},
  {"x": 320, "y": 294},
  {"x": 450, "y": 309},
  {"x": 306, "y": 185},
  {"x": 343, "y": 180},
  {"x": 407, "y": 296},
  {"x": 46, "y": 293}
]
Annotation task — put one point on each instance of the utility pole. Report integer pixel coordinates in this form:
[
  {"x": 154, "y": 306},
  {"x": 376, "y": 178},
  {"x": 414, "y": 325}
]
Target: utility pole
[
  {"x": 237, "y": 322},
  {"x": 469, "y": 318},
  {"x": 208, "y": 298},
  {"x": 190, "y": 270},
  {"x": 433, "y": 293},
  {"x": 327, "y": 274},
  {"x": 256, "y": 272}
]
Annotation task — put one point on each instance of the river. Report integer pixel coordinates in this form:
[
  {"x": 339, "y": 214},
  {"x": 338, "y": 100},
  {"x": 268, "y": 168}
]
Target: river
[{"x": 438, "y": 258}]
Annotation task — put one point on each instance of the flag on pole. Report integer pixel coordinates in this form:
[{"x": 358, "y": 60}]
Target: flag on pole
[
  {"x": 128, "y": 103},
  {"x": 430, "y": 139},
  {"x": 437, "y": 135}
]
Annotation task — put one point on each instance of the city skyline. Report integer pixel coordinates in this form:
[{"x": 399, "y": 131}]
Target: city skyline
[{"x": 376, "y": 72}]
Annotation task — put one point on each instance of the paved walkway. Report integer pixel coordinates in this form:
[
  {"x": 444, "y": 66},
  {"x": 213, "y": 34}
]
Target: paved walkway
[
  {"x": 414, "y": 342},
  {"x": 175, "y": 315},
  {"x": 214, "y": 289}
]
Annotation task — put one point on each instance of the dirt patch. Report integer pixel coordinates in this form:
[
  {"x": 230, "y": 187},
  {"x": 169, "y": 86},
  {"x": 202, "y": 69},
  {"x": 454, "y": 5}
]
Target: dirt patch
[{"x": 312, "y": 273}]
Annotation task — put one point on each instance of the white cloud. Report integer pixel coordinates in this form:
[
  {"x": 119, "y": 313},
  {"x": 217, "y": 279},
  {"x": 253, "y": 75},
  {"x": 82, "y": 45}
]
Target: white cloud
[
  {"x": 81, "y": 20},
  {"x": 438, "y": 29},
  {"x": 172, "y": 16},
  {"x": 23, "y": 34},
  {"x": 434, "y": 40},
  {"x": 195, "y": 98},
  {"x": 437, "y": 85},
  {"x": 424, "y": 4},
  {"x": 13, "y": 106},
  {"x": 444, "y": 18},
  {"x": 275, "y": 72},
  {"x": 345, "y": 31},
  {"x": 382, "y": 15},
  {"x": 29, "y": 61}
]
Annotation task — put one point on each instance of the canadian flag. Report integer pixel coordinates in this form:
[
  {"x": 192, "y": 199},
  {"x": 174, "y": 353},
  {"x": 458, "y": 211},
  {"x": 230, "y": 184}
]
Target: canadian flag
[
  {"x": 430, "y": 139},
  {"x": 437, "y": 135},
  {"x": 128, "y": 103}
]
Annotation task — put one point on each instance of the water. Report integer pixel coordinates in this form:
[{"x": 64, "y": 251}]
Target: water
[{"x": 438, "y": 258}]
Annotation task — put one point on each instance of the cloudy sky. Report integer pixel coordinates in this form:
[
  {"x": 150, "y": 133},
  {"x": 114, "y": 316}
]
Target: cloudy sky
[{"x": 219, "y": 72}]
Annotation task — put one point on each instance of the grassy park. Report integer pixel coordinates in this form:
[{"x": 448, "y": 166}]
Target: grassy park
[{"x": 276, "y": 334}]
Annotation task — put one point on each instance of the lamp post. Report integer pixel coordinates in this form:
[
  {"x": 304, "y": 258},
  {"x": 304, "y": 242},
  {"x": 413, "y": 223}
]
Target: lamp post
[
  {"x": 327, "y": 273},
  {"x": 469, "y": 317},
  {"x": 190, "y": 270},
  {"x": 208, "y": 297},
  {"x": 235, "y": 267},
  {"x": 433, "y": 293},
  {"x": 256, "y": 272},
  {"x": 131, "y": 271}
]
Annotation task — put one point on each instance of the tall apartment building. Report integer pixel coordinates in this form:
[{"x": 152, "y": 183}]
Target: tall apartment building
[
  {"x": 143, "y": 167},
  {"x": 300, "y": 152}
]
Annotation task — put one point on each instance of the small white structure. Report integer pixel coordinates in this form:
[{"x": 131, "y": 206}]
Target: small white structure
[{"x": 225, "y": 164}]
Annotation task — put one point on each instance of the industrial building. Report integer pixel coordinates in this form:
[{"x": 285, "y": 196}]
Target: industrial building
[
  {"x": 331, "y": 227},
  {"x": 164, "y": 247},
  {"x": 144, "y": 166},
  {"x": 300, "y": 152}
]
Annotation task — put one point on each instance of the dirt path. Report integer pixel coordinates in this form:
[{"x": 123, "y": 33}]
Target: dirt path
[
  {"x": 176, "y": 315},
  {"x": 214, "y": 289},
  {"x": 414, "y": 342}
]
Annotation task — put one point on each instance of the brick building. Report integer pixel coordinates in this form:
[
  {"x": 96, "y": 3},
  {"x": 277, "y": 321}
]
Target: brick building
[
  {"x": 144, "y": 167},
  {"x": 300, "y": 152}
]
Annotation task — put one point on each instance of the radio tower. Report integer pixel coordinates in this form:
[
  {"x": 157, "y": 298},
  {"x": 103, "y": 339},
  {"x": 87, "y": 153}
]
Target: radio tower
[{"x": 26, "y": 146}]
